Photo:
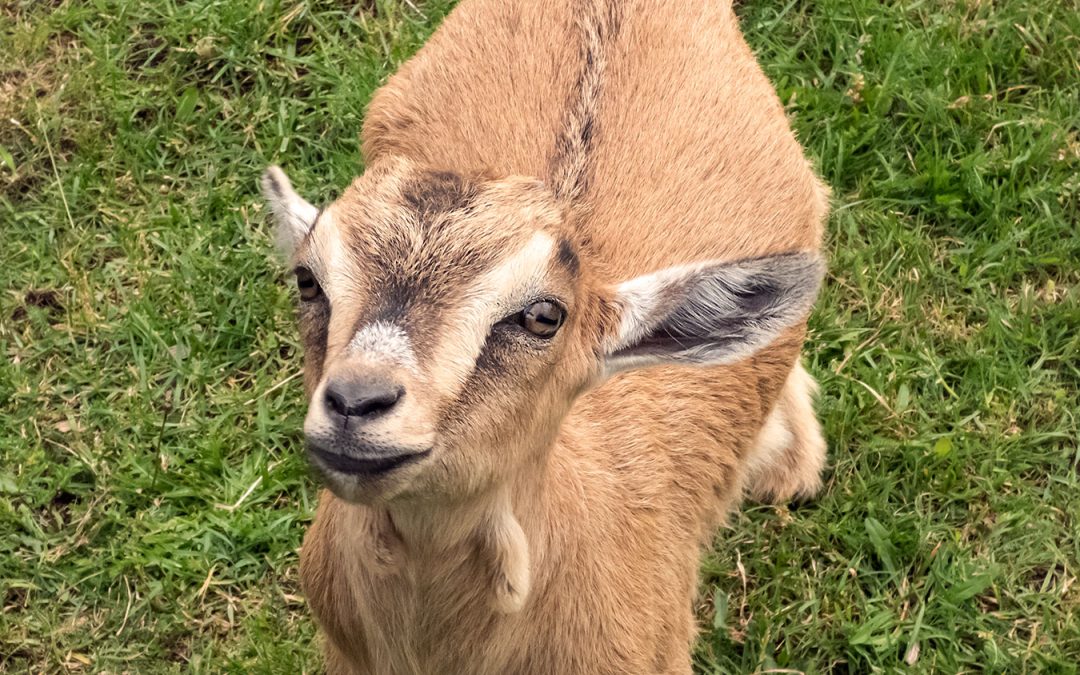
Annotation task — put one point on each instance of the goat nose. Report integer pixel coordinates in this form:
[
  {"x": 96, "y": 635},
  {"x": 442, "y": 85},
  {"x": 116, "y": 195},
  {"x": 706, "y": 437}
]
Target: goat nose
[{"x": 362, "y": 396}]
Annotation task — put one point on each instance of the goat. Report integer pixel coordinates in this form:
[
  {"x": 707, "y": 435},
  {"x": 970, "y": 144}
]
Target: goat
[{"x": 552, "y": 337}]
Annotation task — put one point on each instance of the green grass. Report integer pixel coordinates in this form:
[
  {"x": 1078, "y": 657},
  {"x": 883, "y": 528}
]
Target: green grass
[{"x": 152, "y": 497}]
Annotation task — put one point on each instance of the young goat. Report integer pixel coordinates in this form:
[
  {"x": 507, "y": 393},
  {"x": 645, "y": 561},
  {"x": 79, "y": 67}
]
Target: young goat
[{"x": 552, "y": 337}]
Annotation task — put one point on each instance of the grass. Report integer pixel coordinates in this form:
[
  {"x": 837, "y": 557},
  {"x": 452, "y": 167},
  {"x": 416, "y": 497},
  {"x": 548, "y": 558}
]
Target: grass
[{"x": 152, "y": 499}]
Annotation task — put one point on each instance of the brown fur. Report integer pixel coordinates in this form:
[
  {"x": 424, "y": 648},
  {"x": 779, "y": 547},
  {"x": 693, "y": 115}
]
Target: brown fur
[{"x": 561, "y": 534}]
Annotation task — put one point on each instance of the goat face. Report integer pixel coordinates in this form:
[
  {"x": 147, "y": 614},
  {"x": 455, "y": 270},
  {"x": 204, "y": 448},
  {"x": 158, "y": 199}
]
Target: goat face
[
  {"x": 441, "y": 318},
  {"x": 449, "y": 323}
]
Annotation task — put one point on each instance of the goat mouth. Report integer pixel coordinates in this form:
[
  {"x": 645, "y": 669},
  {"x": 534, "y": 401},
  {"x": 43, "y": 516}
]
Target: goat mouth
[{"x": 363, "y": 466}]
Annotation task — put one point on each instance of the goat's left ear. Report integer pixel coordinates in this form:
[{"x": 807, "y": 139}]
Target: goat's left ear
[
  {"x": 710, "y": 313},
  {"x": 293, "y": 216}
]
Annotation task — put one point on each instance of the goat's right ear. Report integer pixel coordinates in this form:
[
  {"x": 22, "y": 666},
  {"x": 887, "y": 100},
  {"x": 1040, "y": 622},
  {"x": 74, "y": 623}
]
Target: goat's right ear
[
  {"x": 293, "y": 216},
  {"x": 710, "y": 313}
]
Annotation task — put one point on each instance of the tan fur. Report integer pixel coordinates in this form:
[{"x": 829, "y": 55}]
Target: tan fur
[{"x": 559, "y": 530}]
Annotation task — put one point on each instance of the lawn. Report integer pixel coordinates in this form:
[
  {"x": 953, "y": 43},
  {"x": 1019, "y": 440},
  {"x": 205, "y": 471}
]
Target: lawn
[{"x": 152, "y": 494}]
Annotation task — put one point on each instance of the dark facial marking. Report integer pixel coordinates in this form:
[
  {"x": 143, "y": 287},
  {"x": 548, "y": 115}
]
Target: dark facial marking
[
  {"x": 503, "y": 357},
  {"x": 567, "y": 257},
  {"x": 411, "y": 286},
  {"x": 314, "y": 319},
  {"x": 435, "y": 192}
]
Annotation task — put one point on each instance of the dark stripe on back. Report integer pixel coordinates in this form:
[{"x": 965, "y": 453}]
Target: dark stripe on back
[{"x": 569, "y": 166}]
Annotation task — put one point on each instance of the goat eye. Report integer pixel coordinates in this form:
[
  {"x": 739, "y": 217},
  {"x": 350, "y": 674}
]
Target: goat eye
[
  {"x": 543, "y": 318},
  {"x": 305, "y": 281}
]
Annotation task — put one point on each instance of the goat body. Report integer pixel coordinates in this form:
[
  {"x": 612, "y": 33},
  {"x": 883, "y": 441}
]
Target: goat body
[{"x": 651, "y": 147}]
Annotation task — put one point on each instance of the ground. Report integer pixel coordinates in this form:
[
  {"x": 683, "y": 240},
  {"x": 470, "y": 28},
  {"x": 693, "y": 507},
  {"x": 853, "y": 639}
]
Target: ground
[{"x": 152, "y": 495}]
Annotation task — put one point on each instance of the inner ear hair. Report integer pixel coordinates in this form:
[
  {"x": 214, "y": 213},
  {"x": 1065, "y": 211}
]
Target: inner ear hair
[
  {"x": 711, "y": 313},
  {"x": 293, "y": 215}
]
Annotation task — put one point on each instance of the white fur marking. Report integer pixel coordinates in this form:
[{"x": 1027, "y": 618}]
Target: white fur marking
[
  {"x": 493, "y": 296},
  {"x": 328, "y": 255},
  {"x": 384, "y": 342}
]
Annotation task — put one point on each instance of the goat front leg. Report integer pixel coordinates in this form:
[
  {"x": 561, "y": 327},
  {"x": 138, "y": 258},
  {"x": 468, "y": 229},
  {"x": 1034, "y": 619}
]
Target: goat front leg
[{"x": 789, "y": 453}]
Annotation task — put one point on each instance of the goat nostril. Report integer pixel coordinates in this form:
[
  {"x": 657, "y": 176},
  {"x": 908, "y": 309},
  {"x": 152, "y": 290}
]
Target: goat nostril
[
  {"x": 337, "y": 402},
  {"x": 376, "y": 403}
]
